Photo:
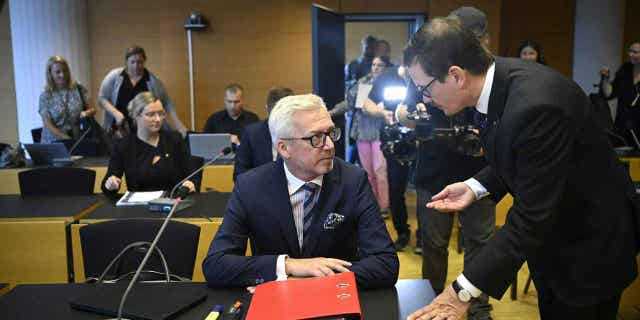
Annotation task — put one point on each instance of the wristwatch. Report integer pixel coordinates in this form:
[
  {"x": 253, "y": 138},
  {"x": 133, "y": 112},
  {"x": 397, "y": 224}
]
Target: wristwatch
[{"x": 463, "y": 294}]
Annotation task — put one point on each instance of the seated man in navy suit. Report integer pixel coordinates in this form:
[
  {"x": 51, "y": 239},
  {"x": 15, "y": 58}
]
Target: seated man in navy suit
[
  {"x": 308, "y": 214},
  {"x": 255, "y": 147}
]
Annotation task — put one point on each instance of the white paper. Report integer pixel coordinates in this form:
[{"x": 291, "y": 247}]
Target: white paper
[
  {"x": 363, "y": 94},
  {"x": 138, "y": 198}
]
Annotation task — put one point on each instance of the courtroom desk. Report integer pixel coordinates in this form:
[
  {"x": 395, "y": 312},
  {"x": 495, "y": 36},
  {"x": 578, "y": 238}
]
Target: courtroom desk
[
  {"x": 206, "y": 213},
  {"x": 52, "y": 301},
  {"x": 33, "y": 236},
  {"x": 217, "y": 177}
]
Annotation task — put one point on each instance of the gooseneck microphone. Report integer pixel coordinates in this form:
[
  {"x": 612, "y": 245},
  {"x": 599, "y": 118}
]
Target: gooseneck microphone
[
  {"x": 153, "y": 245},
  {"x": 75, "y": 145},
  {"x": 165, "y": 204}
]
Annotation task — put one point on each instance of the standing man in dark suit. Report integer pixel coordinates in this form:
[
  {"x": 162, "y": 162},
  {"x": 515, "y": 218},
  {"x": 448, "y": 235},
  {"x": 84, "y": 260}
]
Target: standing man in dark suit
[
  {"x": 308, "y": 214},
  {"x": 572, "y": 219},
  {"x": 255, "y": 147}
]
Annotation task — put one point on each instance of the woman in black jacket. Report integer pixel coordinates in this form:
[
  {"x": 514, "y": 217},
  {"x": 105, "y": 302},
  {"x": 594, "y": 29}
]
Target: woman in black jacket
[{"x": 151, "y": 158}]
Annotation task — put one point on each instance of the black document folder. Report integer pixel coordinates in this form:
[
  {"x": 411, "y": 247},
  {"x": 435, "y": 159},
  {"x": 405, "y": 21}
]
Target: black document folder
[{"x": 145, "y": 301}]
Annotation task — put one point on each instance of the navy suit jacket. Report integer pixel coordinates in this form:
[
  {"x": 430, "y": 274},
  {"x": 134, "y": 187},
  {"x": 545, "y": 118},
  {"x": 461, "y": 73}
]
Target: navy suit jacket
[
  {"x": 572, "y": 216},
  {"x": 260, "y": 210},
  {"x": 254, "y": 149}
]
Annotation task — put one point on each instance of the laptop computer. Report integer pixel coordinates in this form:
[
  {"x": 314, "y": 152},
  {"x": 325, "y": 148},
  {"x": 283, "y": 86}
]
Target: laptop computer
[
  {"x": 209, "y": 145},
  {"x": 145, "y": 301},
  {"x": 43, "y": 154}
]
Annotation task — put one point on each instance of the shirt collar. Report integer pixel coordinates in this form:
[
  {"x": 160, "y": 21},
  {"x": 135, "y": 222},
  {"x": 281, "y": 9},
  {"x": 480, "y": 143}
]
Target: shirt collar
[
  {"x": 293, "y": 183},
  {"x": 483, "y": 102}
]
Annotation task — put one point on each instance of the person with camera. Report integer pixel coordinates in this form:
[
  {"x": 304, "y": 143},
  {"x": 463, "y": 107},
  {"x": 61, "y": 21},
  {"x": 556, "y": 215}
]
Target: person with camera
[
  {"x": 122, "y": 84},
  {"x": 384, "y": 97}
]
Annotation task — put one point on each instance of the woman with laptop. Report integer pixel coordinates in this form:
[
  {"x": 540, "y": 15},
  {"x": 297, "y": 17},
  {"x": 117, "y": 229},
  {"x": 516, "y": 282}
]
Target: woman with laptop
[
  {"x": 62, "y": 104},
  {"x": 152, "y": 158}
]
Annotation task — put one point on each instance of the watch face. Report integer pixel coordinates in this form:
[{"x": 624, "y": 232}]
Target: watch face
[{"x": 464, "y": 295}]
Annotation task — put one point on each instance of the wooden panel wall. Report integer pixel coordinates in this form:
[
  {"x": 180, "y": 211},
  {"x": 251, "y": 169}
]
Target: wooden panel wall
[
  {"x": 548, "y": 22},
  {"x": 9, "y": 121}
]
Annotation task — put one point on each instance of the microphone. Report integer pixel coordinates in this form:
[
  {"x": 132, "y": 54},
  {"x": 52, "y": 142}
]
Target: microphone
[
  {"x": 174, "y": 206},
  {"x": 165, "y": 204},
  {"x": 75, "y": 145}
]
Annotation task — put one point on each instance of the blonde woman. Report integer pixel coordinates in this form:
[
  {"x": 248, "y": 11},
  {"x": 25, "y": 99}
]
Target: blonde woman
[
  {"x": 62, "y": 104},
  {"x": 151, "y": 158}
]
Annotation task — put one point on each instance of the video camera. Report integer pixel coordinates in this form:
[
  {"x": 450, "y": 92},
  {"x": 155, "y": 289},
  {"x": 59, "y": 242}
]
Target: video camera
[{"x": 462, "y": 138}]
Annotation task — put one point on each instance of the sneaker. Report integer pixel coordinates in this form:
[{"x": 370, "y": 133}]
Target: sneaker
[{"x": 402, "y": 241}]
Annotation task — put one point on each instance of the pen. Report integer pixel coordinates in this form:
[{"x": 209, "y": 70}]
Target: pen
[{"x": 215, "y": 313}]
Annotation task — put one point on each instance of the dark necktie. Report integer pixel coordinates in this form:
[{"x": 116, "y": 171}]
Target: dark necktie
[
  {"x": 480, "y": 120},
  {"x": 309, "y": 190}
]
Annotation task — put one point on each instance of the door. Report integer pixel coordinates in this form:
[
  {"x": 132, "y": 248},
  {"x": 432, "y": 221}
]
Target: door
[{"x": 328, "y": 62}]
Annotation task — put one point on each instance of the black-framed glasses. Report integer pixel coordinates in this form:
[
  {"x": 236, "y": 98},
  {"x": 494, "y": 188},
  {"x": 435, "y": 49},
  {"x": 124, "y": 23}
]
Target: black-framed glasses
[
  {"x": 425, "y": 91},
  {"x": 319, "y": 139}
]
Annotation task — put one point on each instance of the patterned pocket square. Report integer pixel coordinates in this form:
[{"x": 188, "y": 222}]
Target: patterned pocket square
[{"x": 333, "y": 220}]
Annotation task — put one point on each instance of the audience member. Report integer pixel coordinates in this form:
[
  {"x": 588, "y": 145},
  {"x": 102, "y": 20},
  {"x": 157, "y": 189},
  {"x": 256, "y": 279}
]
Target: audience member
[
  {"x": 361, "y": 66},
  {"x": 308, "y": 214},
  {"x": 626, "y": 88},
  {"x": 150, "y": 157},
  {"x": 233, "y": 118},
  {"x": 365, "y": 130},
  {"x": 62, "y": 104},
  {"x": 255, "y": 147},
  {"x": 531, "y": 51},
  {"x": 122, "y": 84},
  {"x": 383, "y": 49}
]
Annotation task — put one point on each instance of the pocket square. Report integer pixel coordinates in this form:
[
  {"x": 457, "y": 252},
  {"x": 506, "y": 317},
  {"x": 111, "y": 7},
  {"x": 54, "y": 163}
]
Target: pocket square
[{"x": 333, "y": 220}]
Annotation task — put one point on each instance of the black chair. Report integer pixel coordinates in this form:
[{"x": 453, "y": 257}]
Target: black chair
[
  {"x": 104, "y": 241},
  {"x": 52, "y": 181},
  {"x": 36, "y": 135}
]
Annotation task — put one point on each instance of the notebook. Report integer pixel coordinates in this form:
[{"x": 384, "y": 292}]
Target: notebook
[{"x": 145, "y": 301}]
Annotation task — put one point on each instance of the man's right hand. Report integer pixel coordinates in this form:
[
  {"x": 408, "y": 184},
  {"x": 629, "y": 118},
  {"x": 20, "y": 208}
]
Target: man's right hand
[
  {"x": 454, "y": 197},
  {"x": 315, "y": 267},
  {"x": 112, "y": 183}
]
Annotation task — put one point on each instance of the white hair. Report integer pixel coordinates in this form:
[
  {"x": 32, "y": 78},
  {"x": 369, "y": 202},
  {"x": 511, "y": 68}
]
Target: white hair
[{"x": 281, "y": 117}]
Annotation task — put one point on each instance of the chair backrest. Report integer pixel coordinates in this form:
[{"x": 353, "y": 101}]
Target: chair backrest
[
  {"x": 102, "y": 242},
  {"x": 36, "y": 134},
  {"x": 65, "y": 181}
]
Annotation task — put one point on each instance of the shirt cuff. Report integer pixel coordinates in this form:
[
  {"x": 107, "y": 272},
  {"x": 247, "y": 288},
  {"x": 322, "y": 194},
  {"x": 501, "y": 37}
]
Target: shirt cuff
[
  {"x": 478, "y": 189},
  {"x": 281, "y": 273},
  {"x": 466, "y": 284}
]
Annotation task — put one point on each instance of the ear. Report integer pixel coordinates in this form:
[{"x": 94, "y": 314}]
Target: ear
[
  {"x": 459, "y": 76},
  {"x": 281, "y": 147}
]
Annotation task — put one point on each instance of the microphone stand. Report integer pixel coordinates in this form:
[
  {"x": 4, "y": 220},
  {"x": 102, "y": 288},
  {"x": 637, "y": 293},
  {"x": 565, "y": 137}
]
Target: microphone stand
[{"x": 152, "y": 247}]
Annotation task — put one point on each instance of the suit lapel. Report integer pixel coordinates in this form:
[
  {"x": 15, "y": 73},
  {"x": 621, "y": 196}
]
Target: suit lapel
[
  {"x": 497, "y": 101},
  {"x": 266, "y": 143},
  {"x": 330, "y": 194},
  {"x": 282, "y": 208}
]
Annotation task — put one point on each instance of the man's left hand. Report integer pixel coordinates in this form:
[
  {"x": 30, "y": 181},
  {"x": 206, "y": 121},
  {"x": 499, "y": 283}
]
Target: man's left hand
[{"x": 444, "y": 306}]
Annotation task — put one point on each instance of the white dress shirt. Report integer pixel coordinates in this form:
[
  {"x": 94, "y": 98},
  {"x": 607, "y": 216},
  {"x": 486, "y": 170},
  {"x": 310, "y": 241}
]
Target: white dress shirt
[
  {"x": 478, "y": 189},
  {"x": 296, "y": 196}
]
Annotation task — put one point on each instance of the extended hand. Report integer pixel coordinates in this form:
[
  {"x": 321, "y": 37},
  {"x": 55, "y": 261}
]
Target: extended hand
[
  {"x": 454, "y": 197},
  {"x": 445, "y": 306},
  {"x": 315, "y": 267}
]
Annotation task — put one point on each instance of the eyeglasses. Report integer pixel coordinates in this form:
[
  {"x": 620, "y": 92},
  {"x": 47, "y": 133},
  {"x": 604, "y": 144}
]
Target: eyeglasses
[
  {"x": 425, "y": 91},
  {"x": 319, "y": 139},
  {"x": 151, "y": 115}
]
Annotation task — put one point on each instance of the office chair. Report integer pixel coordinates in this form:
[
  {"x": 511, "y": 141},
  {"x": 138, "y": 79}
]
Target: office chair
[
  {"x": 104, "y": 241},
  {"x": 52, "y": 181}
]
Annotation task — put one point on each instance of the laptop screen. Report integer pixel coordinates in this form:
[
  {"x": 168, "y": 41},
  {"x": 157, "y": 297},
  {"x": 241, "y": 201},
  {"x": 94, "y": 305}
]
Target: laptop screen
[{"x": 208, "y": 145}]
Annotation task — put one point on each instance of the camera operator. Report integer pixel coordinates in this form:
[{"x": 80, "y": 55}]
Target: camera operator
[
  {"x": 440, "y": 162},
  {"x": 385, "y": 95}
]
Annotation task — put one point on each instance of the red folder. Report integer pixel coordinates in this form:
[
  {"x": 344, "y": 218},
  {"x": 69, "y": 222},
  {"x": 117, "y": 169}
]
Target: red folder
[{"x": 310, "y": 298}]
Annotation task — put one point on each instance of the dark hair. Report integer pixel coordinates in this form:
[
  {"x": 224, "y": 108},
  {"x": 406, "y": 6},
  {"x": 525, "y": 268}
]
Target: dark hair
[
  {"x": 369, "y": 40},
  {"x": 384, "y": 59},
  {"x": 133, "y": 50},
  {"x": 443, "y": 43},
  {"x": 535, "y": 46},
  {"x": 275, "y": 94},
  {"x": 234, "y": 88}
]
